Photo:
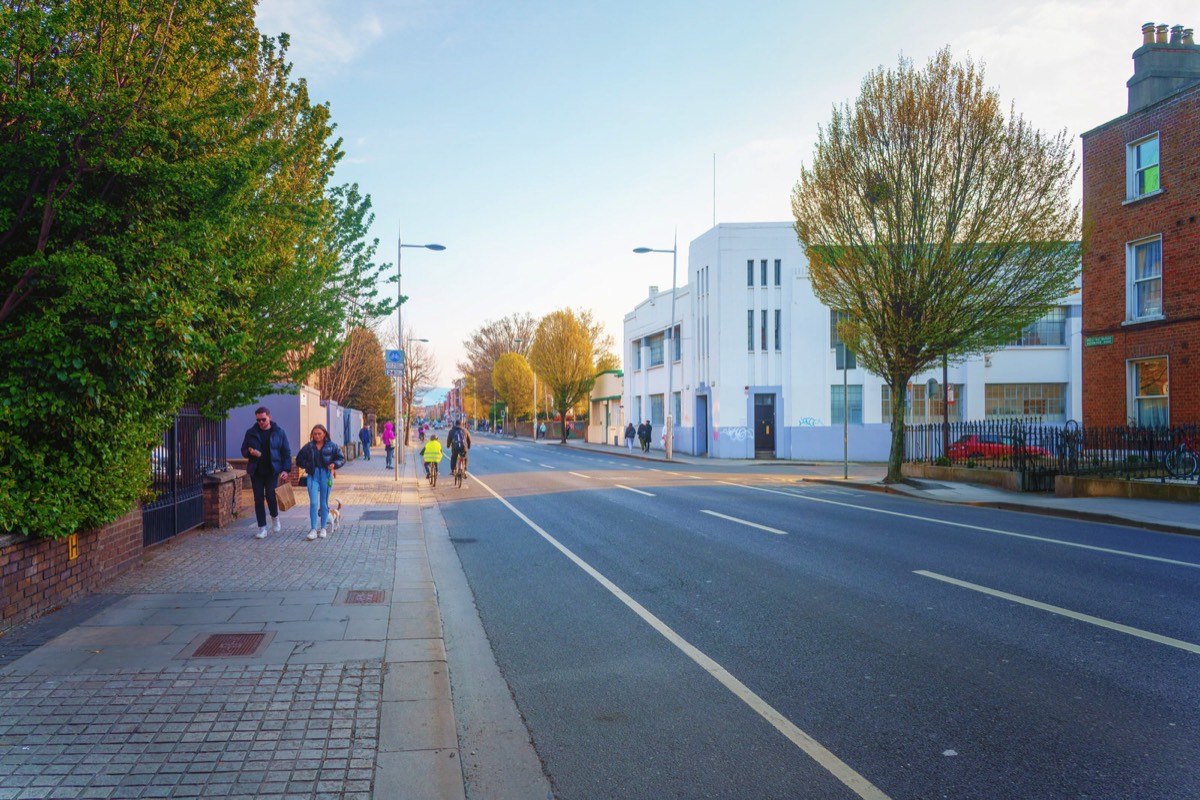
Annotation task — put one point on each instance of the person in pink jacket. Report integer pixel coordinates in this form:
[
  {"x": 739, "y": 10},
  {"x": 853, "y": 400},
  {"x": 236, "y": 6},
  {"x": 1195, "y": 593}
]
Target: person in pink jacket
[{"x": 389, "y": 443}]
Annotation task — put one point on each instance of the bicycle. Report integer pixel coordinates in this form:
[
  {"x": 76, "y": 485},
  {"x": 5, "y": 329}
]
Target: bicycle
[
  {"x": 460, "y": 471},
  {"x": 433, "y": 473},
  {"x": 1181, "y": 461}
]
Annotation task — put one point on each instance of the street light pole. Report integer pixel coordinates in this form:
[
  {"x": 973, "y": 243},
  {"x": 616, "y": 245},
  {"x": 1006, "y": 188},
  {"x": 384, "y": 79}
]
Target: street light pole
[
  {"x": 670, "y": 417},
  {"x": 400, "y": 245}
]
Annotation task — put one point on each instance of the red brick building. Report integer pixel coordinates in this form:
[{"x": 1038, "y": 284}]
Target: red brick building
[{"x": 1141, "y": 263}]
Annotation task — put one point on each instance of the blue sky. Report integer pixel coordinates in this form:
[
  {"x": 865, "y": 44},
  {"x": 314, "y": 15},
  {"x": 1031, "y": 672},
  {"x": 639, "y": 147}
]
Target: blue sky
[{"x": 540, "y": 142}]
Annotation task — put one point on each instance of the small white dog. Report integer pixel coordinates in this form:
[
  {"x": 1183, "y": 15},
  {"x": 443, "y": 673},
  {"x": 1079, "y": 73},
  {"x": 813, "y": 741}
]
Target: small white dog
[{"x": 335, "y": 515}]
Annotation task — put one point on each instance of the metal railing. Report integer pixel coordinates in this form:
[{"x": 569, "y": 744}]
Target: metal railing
[{"x": 191, "y": 448}]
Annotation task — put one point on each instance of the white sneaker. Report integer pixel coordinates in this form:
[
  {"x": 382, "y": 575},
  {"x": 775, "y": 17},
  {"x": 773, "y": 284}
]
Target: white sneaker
[
  {"x": 312, "y": 535},
  {"x": 323, "y": 534},
  {"x": 278, "y": 525},
  {"x": 262, "y": 534}
]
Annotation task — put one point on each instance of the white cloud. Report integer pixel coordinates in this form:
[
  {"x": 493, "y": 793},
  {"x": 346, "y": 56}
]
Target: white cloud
[{"x": 325, "y": 34}]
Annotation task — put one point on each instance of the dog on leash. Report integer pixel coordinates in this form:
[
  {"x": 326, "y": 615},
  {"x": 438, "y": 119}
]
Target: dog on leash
[{"x": 335, "y": 515}]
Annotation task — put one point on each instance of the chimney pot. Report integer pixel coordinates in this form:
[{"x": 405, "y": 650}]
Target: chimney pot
[
  {"x": 1161, "y": 37},
  {"x": 1187, "y": 36},
  {"x": 1148, "y": 33},
  {"x": 1176, "y": 34},
  {"x": 653, "y": 291}
]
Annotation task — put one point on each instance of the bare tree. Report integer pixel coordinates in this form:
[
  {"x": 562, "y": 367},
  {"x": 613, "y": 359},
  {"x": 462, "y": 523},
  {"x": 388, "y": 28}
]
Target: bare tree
[
  {"x": 512, "y": 334},
  {"x": 935, "y": 223},
  {"x": 357, "y": 378},
  {"x": 420, "y": 375}
]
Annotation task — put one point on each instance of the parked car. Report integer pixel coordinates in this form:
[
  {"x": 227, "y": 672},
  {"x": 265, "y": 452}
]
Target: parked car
[{"x": 988, "y": 445}]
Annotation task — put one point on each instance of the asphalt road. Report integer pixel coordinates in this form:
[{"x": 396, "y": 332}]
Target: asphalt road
[{"x": 704, "y": 632}]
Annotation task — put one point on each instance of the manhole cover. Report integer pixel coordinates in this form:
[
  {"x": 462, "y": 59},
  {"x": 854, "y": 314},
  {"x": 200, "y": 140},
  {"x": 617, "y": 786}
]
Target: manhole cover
[
  {"x": 363, "y": 597},
  {"x": 380, "y": 515},
  {"x": 229, "y": 645}
]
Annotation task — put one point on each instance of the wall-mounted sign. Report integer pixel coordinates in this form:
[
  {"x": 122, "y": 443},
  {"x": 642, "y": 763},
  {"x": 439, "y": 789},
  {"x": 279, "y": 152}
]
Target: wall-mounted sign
[{"x": 1093, "y": 341}]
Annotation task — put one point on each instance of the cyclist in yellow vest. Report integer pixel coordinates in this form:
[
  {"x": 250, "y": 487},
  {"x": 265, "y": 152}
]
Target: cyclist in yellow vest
[{"x": 432, "y": 453}]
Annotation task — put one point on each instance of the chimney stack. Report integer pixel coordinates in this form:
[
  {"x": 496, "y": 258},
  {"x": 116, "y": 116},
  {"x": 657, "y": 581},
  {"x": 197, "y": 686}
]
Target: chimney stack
[
  {"x": 1167, "y": 61},
  {"x": 653, "y": 291}
]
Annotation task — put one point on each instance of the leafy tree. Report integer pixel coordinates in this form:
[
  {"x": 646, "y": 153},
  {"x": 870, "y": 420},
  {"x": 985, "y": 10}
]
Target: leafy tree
[
  {"x": 935, "y": 222},
  {"x": 166, "y": 234},
  {"x": 513, "y": 379},
  {"x": 357, "y": 379},
  {"x": 563, "y": 356},
  {"x": 490, "y": 341}
]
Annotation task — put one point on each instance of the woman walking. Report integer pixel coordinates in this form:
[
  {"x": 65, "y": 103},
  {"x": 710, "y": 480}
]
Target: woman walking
[
  {"x": 389, "y": 443},
  {"x": 629, "y": 434},
  {"x": 321, "y": 458}
]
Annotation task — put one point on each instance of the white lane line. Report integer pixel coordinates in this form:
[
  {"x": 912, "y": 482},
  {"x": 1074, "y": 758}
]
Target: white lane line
[
  {"x": 810, "y": 746},
  {"x": 526, "y": 460},
  {"x": 580, "y": 475},
  {"x": 947, "y": 522},
  {"x": 547, "y": 466},
  {"x": 743, "y": 522},
  {"x": 1103, "y": 623},
  {"x": 696, "y": 477},
  {"x": 631, "y": 489}
]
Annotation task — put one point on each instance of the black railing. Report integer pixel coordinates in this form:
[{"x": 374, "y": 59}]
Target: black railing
[
  {"x": 1042, "y": 450},
  {"x": 191, "y": 448}
]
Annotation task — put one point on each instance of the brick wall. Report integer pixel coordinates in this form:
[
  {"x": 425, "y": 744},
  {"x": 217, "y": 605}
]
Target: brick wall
[
  {"x": 1109, "y": 224},
  {"x": 38, "y": 575}
]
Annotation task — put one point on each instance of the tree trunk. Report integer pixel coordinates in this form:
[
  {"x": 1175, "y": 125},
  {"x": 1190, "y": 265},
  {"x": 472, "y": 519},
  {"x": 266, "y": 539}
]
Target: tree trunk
[
  {"x": 563, "y": 414},
  {"x": 899, "y": 389}
]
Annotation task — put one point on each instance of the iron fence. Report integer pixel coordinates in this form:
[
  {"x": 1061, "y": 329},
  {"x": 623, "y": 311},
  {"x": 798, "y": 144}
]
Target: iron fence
[
  {"x": 1042, "y": 450},
  {"x": 191, "y": 448}
]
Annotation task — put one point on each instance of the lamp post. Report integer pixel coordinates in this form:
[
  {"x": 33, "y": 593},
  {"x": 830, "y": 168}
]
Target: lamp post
[
  {"x": 400, "y": 245},
  {"x": 670, "y": 418}
]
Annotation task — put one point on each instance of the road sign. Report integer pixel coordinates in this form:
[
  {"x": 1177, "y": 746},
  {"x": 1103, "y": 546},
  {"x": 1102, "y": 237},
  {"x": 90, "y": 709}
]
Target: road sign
[{"x": 393, "y": 363}]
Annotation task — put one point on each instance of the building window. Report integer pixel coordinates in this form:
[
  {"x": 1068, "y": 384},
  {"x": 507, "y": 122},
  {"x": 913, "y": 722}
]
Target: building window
[
  {"x": 922, "y": 409},
  {"x": 835, "y": 318},
  {"x": 1046, "y": 402},
  {"x": 778, "y": 330},
  {"x": 1142, "y": 167},
  {"x": 637, "y": 410},
  {"x": 750, "y": 331},
  {"x": 655, "y": 343},
  {"x": 1145, "y": 279},
  {"x": 1150, "y": 389},
  {"x": 676, "y": 352},
  {"x": 637, "y": 353},
  {"x": 750, "y": 272},
  {"x": 763, "y": 274},
  {"x": 676, "y": 400},
  {"x": 763, "y": 330},
  {"x": 656, "y": 409},
  {"x": 1049, "y": 330},
  {"x": 837, "y": 405},
  {"x": 778, "y": 271}
]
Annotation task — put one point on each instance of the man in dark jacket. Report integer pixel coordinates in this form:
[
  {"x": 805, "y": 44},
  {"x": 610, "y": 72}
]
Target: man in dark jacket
[
  {"x": 364, "y": 436},
  {"x": 643, "y": 432},
  {"x": 270, "y": 460}
]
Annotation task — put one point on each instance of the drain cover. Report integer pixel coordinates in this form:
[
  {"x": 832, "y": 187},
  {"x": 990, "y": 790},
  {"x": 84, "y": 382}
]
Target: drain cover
[
  {"x": 229, "y": 645},
  {"x": 363, "y": 597}
]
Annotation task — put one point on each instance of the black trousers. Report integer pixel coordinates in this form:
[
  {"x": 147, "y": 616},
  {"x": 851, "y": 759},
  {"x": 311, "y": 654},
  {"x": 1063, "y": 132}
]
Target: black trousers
[{"x": 264, "y": 489}]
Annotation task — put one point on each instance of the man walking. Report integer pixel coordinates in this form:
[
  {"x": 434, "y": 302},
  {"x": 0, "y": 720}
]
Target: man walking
[
  {"x": 364, "y": 436},
  {"x": 269, "y": 456}
]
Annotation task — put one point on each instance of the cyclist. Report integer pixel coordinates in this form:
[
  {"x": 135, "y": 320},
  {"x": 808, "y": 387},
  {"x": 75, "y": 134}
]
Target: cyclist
[
  {"x": 432, "y": 452},
  {"x": 459, "y": 442}
]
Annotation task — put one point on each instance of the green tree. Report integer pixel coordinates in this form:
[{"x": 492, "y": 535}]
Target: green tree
[
  {"x": 167, "y": 233},
  {"x": 935, "y": 222},
  {"x": 357, "y": 379},
  {"x": 487, "y": 343},
  {"x": 564, "y": 358},
  {"x": 513, "y": 379}
]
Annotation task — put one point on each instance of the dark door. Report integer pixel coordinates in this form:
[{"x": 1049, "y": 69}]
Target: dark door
[
  {"x": 702, "y": 425},
  {"x": 764, "y": 426}
]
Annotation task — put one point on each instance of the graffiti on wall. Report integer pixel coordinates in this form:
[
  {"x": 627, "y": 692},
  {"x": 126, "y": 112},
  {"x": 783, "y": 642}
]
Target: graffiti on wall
[
  {"x": 737, "y": 434},
  {"x": 810, "y": 422}
]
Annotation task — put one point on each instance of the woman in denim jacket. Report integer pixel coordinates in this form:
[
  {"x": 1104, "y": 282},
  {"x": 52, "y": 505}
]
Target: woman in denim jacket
[{"x": 321, "y": 458}]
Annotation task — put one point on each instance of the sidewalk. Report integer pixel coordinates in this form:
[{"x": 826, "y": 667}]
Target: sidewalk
[
  {"x": 226, "y": 666},
  {"x": 1160, "y": 515}
]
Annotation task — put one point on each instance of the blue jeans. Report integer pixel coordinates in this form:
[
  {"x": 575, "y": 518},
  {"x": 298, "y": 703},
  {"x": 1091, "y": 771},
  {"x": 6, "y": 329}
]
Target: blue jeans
[
  {"x": 318, "y": 497},
  {"x": 391, "y": 451},
  {"x": 366, "y": 451}
]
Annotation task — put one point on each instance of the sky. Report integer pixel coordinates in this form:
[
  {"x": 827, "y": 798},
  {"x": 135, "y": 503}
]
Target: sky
[{"x": 540, "y": 142}]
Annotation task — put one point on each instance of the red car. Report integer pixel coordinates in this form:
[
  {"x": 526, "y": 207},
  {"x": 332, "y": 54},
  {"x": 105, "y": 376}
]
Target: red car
[{"x": 990, "y": 446}]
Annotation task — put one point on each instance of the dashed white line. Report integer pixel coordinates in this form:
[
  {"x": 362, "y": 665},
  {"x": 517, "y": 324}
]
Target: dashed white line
[
  {"x": 547, "y": 466},
  {"x": 743, "y": 522},
  {"x": 580, "y": 475},
  {"x": 631, "y": 489}
]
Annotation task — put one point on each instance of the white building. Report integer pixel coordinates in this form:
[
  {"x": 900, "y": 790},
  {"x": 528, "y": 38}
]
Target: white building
[{"x": 755, "y": 370}]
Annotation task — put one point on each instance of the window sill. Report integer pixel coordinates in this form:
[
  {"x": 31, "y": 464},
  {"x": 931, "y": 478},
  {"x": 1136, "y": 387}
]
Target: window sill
[
  {"x": 1147, "y": 195},
  {"x": 1140, "y": 320}
]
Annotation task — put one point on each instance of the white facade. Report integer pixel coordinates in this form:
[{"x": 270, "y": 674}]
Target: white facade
[{"x": 758, "y": 373}]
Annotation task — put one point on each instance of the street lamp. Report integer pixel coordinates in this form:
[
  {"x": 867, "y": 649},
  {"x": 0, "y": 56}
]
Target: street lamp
[
  {"x": 400, "y": 245},
  {"x": 531, "y": 369},
  {"x": 670, "y": 428}
]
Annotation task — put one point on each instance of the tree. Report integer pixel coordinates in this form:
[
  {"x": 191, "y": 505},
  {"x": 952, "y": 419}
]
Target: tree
[
  {"x": 357, "y": 379},
  {"x": 490, "y": 341},
  {"x": 420, "y": 374},
  {"x": 166, "y": 234},
  {"x": 563, "y": 356},
  {"x": 513, "y": 379},
  {"x": 935, "y": 223}
]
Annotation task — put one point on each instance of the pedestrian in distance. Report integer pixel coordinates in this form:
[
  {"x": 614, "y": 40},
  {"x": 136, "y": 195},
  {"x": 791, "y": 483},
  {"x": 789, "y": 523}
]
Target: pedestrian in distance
[
  {"x": 649, "y": 436},
  {"x": 269, "y": 460},
  {"x": 321, "y": 458},
  {"x": 389, "y": 443},
  {"x": 364, "y": 436},
  {"x": 542, "y": 431},
  {"x": 629, "y": 434}
]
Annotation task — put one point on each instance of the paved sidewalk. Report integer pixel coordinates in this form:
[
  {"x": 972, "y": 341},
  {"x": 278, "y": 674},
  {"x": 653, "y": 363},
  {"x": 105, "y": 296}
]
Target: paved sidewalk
[
  {"x": 1161, "y": 515},
  {"x": 329, "y": 679}
]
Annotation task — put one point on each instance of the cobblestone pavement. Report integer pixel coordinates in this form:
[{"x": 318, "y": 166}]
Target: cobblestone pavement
[{"x": 331, "y": 681}]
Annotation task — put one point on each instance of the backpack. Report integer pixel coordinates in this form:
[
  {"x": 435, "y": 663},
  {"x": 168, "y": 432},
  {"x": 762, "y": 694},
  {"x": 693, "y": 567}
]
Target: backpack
[{"x": 458, "y": 439}]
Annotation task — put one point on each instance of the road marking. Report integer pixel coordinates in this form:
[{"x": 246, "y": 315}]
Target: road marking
[
  {"x": 810, "y": 746},
  {"x": 1103, "y": 623},
  {"x": 547, "y": 466},
  {"x": 631, "y": 489},
  {"x": 579, "y": 475},
  {"x": 743, "y": 522},
  {"x": 951, "y": 524},
  {"x": 526, "y": 460}
]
